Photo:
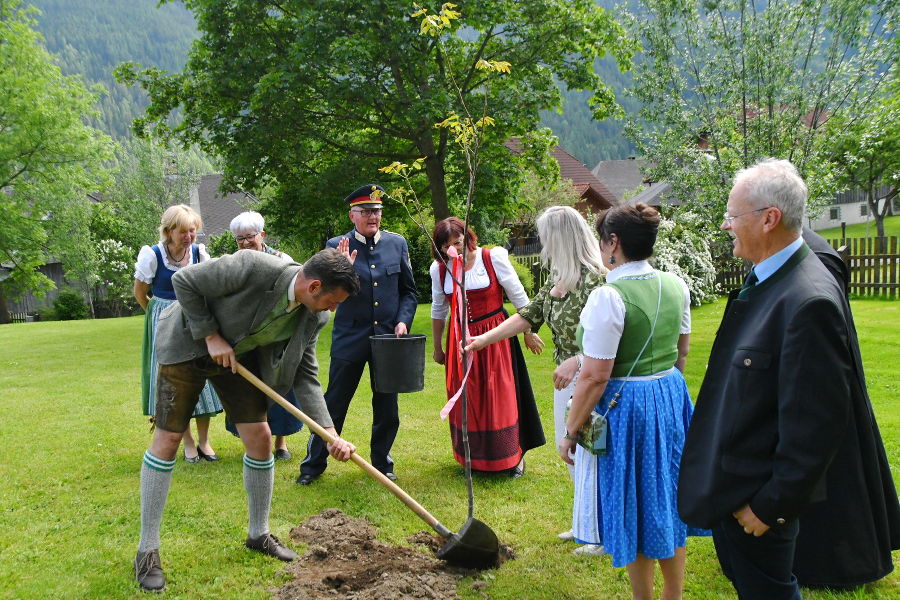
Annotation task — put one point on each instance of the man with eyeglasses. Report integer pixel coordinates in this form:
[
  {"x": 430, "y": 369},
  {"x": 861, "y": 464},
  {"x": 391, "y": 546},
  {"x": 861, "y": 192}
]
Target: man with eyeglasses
[
  {"x": 781, "y": 402},
  {"x": 386, "y": 303}
]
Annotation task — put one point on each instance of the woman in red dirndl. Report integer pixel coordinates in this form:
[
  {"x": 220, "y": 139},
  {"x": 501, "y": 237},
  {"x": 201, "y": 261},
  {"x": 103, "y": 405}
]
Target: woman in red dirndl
[{"x": 503, "y": 420}]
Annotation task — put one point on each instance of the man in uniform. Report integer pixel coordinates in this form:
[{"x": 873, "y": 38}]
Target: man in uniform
[
  {"x": 385, "y": 304},
  {"x": 267, "y": 313}
]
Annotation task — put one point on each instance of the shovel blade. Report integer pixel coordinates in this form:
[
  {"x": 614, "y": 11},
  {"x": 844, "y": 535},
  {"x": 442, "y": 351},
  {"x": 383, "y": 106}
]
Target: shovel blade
[{"x": 475, "y": 546}]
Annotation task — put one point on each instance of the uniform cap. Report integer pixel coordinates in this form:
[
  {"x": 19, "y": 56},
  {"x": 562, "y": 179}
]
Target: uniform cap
[{"x": 368, "y": 195}]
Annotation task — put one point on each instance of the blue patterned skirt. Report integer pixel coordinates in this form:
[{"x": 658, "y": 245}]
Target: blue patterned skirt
[{"x": 627, "y": 499}]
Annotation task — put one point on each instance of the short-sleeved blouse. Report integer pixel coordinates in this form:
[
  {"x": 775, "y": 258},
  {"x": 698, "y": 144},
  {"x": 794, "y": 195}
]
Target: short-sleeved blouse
[
  {"x": 604, "y": 313},
  {"x": 477, "y": 278},
  {"x": 145, "y": 267},
  {"x": 562, "y": 314}
]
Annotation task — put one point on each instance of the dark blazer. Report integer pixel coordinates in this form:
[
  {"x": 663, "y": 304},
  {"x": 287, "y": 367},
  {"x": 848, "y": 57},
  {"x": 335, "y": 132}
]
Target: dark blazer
[
  {"x": 846, "y": 539},
  {"x": 387, "y": 295},
  {"x": 829, "y": 257},
  {"x": 774, "y": 404},
  {"x": 232, "y": 295}
]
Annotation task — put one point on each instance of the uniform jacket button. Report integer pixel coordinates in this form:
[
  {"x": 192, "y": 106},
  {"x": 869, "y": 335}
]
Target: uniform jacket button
[
  {"x": 376, "y": 322},
  {"x": 376, "y": 304},
  {"x": 780, "y": 520},
  {"x": 373, "y": 266},
  {"x": 375, "y": 284},
  {"x": 747, "y": 362}
]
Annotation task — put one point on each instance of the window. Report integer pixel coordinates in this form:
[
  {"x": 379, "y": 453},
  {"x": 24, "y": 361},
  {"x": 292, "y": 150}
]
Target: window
[
  {"x": 835, "y": 213},
  {"x": 863, "y": 210}
]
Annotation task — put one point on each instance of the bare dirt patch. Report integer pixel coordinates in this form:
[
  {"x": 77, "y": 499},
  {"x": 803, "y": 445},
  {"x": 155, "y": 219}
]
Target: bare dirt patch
[{"x": 345, "y": 560}]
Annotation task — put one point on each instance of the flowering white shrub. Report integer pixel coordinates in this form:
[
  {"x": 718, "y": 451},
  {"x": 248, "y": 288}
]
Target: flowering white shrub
[
  {"x": 682, "y": 248},
  {"x": 115, "y": 268}
]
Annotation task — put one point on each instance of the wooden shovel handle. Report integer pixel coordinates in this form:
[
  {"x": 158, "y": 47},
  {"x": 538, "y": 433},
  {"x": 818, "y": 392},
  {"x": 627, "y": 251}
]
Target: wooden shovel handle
[{"x": 359, "y": 460}]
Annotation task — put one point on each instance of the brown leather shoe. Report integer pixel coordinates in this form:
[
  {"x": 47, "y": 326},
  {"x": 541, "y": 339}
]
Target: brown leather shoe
[
  {"x": 269, "y": 544},
  {"x": 148, "y": 571}
]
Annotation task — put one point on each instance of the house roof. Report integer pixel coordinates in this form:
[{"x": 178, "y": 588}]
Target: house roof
[
  {"x": 656, "y": 194},
  {"x": 591, "y": 190},
  {"x": 217, "y": 209},
  {"x": 856, "y": 195},
  {"x": 620, "y": 176}
]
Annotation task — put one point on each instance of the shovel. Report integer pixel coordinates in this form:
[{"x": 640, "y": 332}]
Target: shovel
[{"x": 475, "y": 546}]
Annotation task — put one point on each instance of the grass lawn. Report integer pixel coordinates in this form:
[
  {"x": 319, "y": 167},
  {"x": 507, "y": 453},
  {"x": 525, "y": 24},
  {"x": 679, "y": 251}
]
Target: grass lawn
[
  {"x": 891, "y": 227},
  {"x": 72, "y": 437}
]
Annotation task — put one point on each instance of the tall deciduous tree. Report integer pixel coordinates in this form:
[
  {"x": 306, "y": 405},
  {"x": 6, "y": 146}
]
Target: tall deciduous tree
[
  {"x": 49, "y": 159},
  {"x": 148, "y": 177},
  {"x": 313, "y": 97},
  {"x": 867, "y": 152},
  {"x": 752, "y": 79}
]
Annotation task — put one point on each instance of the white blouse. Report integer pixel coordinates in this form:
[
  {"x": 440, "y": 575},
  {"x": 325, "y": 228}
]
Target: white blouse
[
  {"x": 145, "y": 267},
  {"x": 477, "y": 279},
  {"x": 603, "y": 316}
]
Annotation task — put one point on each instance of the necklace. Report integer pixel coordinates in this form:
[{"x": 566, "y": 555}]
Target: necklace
[{"x": 183, "y": 254}]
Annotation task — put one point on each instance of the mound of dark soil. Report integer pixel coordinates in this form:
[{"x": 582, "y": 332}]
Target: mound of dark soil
[{"x": 345, "y": 560}]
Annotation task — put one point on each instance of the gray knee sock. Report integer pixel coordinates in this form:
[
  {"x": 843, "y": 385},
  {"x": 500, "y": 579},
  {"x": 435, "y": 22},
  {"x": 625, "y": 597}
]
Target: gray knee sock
[
  {"x": 156, "y": 474},
  {"x": 259, "y": 478}
]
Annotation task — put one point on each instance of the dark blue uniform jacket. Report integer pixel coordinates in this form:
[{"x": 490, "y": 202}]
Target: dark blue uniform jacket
[{"x": 387, "y": 295}]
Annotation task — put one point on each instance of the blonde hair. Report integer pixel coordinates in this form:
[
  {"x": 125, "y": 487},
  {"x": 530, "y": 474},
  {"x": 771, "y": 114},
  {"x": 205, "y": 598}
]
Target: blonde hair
[
  {"x": 176, "y": 217},
  {"x": 568, "y": 244}
]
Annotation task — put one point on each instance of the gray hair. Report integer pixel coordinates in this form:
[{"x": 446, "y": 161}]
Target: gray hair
[
  {"x": 247, "y": 222},
  {"x": 568, "y": 244},
  {"x": 774, "y": 182}
]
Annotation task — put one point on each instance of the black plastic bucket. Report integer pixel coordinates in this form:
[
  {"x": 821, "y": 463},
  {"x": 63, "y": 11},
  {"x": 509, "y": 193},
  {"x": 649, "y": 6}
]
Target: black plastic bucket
[{"x": 398, "y": 363}]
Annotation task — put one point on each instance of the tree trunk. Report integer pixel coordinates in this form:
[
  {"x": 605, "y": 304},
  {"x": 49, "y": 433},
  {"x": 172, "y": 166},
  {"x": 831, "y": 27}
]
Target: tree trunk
[
  {"x": 872, "y": 201},
  {"x": 434, "y": 170},
  {"x": 4, "y": 313}
]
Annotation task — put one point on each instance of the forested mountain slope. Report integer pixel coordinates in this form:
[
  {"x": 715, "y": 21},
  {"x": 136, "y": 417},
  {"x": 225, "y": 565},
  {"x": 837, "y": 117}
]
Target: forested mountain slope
[{"x": 91, "y": 37}]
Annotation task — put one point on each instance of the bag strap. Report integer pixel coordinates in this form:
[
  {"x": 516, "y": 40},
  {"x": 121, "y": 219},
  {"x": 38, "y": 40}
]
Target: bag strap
[{"x": 618, "y": 394}]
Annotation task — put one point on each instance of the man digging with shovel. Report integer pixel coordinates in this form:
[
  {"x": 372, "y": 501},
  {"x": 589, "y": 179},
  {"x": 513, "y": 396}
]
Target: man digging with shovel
[{"x": 268, "y": 313}]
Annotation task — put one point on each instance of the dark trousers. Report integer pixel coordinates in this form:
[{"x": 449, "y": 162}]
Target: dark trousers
[
  {"x": 343, "y": 379},
  {"x": 758, "y": 567}
]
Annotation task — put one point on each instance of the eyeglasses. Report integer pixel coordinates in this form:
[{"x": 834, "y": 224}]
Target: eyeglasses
[
  {"x": 244, "y": 238},
  {"x": 730, "y": 220},
  {"x": 368, "y": 212}
]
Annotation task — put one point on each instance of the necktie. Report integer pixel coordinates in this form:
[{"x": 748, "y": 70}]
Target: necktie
[{"x": 748, "y": 283}]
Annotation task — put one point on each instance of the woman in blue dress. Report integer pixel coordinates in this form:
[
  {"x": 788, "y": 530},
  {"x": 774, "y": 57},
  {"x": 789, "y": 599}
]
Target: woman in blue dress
[
  {"x": 248, "y": 229},
  {"x": 635, "y": 334},
  {"x": 153, "y": 291}
]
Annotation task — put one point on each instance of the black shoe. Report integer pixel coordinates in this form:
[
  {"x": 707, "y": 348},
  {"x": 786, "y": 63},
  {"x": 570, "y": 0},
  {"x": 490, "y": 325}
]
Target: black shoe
[
  {"x": 283, "y": 454},
  {"x": 517, "y": 471},
  {"x": 210, "y": 457},
  {"x": 148, "y": 571},
  {"x": 195, "y": 459},
  {"x": 306, "y": 479},
  {"x": 269, "y": 544},
  {"x": 390, "y": 475}
]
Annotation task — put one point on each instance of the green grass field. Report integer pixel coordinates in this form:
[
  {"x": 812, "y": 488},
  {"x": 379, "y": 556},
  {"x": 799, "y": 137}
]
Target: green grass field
[
  {"x": 891, "y": 227},
  {"x": 72, "y": 437}
]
